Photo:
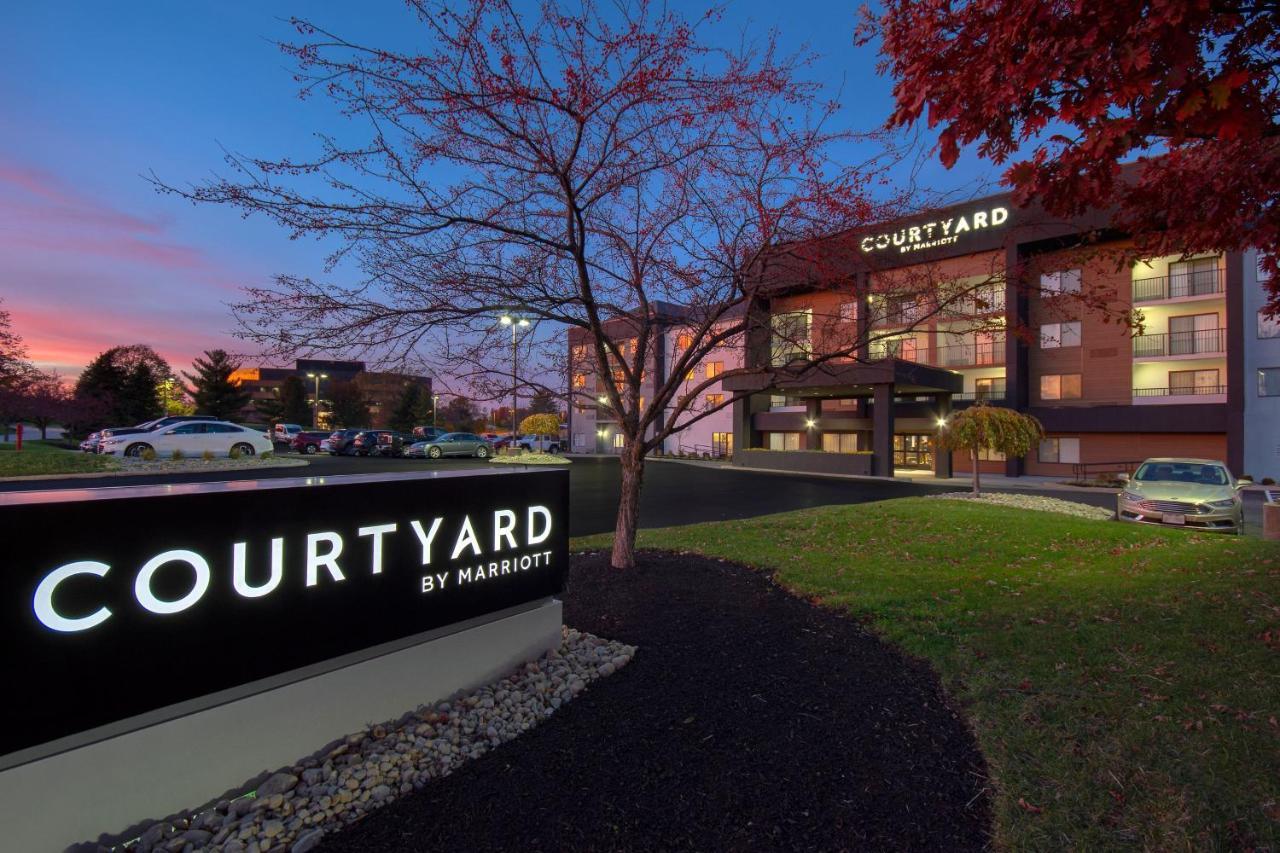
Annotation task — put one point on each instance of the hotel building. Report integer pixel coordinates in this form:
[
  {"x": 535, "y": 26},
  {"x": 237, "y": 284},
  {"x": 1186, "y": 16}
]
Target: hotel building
[
  {"x": 1034, "y": 323},
  {"x": 380, "y": 390},
  {"x": 593, "y": 427},
  {"x": 1034, "y": 329}
]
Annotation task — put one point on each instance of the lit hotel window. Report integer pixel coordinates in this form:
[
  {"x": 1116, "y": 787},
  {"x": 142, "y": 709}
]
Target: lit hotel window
[
  {"x": 1060, "y": 386},
  {"x": 1063, "y": 281},
  {"x": 714, "y": 400},
  {"x": 784, "y": 441},
  {"x": 1066, "y": 450},
  {"x": 714, "y": 369},
  {"x": 1055, "y": 335},
  {"x": 848, "y": 312}
]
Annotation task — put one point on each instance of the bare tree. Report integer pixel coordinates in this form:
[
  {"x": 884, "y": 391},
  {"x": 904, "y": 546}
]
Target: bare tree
[{"x": 576, "y": 167}]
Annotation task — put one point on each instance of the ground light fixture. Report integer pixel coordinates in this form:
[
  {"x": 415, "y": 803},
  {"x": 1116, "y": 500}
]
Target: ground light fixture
[
  {"x": 942, "y": 422},
  {"x": 515, "y": 323},
  {"x": 810, "y": 424}
]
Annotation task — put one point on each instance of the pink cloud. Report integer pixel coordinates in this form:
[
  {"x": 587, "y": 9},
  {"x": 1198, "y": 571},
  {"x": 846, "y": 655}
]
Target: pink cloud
[
  {"x": 62, "y": 203},
  {"x": 164, "y": 255}
]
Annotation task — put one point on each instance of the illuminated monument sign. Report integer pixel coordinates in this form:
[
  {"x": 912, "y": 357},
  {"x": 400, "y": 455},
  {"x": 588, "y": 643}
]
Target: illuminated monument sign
[
  {"x": 940, "y": 231},
  {"x": 119, "y": 606}
]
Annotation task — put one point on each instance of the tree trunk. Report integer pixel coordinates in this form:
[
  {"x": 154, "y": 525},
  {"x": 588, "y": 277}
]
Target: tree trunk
[
  {"x": 977, "y": 484},
  {"x": 624, "y": 533}
]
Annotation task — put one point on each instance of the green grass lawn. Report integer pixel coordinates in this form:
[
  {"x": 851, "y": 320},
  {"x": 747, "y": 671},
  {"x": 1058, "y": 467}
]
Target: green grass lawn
[
  {"x": 38, "y": 457},
  {"x": 1123, "y": 681}
]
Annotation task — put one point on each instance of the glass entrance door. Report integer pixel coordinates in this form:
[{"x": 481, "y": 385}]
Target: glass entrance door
[{"x": 911, "y": 450}]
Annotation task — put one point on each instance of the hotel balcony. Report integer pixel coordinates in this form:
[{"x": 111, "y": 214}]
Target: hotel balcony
[
  {"x": 1181, "y": 344},
  {"x": 1197, "y": 284},
  {"x": 975, "y": 354},
  {"x": 1180, "y": 395}
]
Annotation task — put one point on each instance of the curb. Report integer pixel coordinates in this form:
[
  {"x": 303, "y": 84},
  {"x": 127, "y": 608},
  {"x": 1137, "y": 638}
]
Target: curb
[{"x": 98, "y": 475}]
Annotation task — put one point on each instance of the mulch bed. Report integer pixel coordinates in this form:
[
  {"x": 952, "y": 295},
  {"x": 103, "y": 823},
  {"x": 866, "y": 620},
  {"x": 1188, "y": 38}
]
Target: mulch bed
[{"x": 748, "y": 720}]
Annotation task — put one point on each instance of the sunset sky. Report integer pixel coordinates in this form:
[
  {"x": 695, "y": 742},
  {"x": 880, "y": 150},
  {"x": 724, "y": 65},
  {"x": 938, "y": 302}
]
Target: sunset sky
[{"x": 96, "y": 96}]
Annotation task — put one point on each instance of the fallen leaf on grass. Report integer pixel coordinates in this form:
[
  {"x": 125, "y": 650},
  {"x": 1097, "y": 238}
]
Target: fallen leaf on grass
[{"x": 1028, "y": 807}]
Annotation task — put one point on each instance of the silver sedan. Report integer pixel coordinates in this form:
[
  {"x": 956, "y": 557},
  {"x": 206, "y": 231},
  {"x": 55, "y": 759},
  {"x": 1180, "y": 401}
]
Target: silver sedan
[{"x": 450, "y": 444}]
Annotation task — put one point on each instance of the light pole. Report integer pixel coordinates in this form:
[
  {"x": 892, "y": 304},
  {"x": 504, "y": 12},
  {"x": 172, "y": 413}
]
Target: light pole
[
  {"x": 513, "y": 322},
  {"x": 315, "y": 413},
  {"x": 435, "y": 402}
]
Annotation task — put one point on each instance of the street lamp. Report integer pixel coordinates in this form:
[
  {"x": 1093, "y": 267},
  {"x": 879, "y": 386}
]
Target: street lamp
[
  {"x": 435, "y": 401},
  {"x": 514, "y": 323},
  {"x": 315, "y": 415}
]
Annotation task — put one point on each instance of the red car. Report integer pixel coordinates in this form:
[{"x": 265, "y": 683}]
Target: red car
[{"x": 307, "y": 442}]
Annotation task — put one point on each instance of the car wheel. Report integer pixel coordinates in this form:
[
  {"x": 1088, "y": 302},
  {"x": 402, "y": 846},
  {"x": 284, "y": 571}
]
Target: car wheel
[
  {"x": 526, "y": 448},
  {"x": 136, "y": 450},
  {"x": 309, "y": 448},
  {"x": 482, "y": 453},
  {"x": 555, "y": 448},
  {"x": 243, "y": 449},
  {"x": 435, "y": 453}
]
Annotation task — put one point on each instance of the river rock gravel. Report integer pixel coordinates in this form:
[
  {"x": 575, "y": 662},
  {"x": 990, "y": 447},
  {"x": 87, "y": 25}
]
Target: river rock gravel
[{"x": 293, "y": 809}]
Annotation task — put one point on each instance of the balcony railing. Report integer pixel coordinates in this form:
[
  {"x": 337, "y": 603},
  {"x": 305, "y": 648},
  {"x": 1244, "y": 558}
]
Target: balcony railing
[
  {"x": 1201, "y": 341},
  {"x": 1181, "y": 391},
  {"x": 1178, "y": 285},
  {"x": 971, "y": 354},
  {"x": 992, "y": 395}
]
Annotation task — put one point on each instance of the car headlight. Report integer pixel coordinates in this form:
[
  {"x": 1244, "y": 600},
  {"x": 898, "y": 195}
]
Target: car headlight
[
  {"x": 1131, "y": 497},
  {"x": 1224, "y": 504}
]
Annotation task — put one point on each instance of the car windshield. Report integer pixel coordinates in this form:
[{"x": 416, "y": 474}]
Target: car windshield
[{"x": 1182, "y": 472}]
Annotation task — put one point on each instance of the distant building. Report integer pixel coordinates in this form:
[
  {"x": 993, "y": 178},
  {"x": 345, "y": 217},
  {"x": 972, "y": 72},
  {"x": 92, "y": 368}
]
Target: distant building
[
  {"x": 380, "y": 389},
  {"x": 593, "y": 426}
]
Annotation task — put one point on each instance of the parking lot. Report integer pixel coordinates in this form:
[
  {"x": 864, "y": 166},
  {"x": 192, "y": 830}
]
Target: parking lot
[{"x": 674, "y": 493}]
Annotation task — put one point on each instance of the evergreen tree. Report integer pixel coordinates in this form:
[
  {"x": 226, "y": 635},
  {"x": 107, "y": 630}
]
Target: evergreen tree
[
  {"x": 460, "y": 415},
  {"x": 211, "y": 387},
  {"x": 543, "y": 403},
  {"x": 271, "y": 409},
  {"x": 294, "y": 408},
  {"x": 404, "y": 412},
  {"x": 348, "y": 407},
  {"x": 424, "y": 410}
]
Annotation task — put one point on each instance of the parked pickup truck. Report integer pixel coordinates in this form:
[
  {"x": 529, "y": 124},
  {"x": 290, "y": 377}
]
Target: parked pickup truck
[
  {"x": 307, "y": 442},
  {"x": 543, "y": 443}
]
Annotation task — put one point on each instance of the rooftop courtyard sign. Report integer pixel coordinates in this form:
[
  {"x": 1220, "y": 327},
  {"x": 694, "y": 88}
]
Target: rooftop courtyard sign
[
  {"x": 139, "y": 599},
  {"x": 935, "y": 232}
]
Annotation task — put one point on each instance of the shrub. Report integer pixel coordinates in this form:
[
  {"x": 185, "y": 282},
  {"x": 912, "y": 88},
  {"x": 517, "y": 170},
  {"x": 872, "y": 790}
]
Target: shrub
[
  {"x": 1267, "y": 481},
  {"x": 235, "y": 453},
  {"x": 267, "y": 454},
  {"x": 148, "y": 455},
  {"x": 540, "y": 425},
  {"x": 177, "y": 455},
  {"x": 207, "y": 456}
]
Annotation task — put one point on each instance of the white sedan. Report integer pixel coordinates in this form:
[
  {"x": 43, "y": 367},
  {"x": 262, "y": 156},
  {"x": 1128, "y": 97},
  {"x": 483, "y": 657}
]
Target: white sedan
[{"x": 192, "y": 438}]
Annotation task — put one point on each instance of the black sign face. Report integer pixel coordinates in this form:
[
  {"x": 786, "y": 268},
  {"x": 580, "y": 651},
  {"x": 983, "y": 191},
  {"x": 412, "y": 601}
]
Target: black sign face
[{"x": 113, "y": 608}]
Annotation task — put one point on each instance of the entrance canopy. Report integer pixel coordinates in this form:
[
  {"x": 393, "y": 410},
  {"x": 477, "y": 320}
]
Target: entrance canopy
[{"x": 850, "y": 379}]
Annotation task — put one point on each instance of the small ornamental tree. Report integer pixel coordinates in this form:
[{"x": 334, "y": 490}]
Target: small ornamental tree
[
  {"x": 983, "y": 427},
  {"x": 211, "y": 387},
  {"x": 543, "y": 424}
]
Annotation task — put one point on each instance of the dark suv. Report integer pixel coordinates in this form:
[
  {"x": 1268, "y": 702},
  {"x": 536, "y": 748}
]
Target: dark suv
[{"x": 341, "y": 443}]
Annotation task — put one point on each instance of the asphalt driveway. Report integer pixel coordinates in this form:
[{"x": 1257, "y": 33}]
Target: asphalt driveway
[{"x": 674, "y": 493}]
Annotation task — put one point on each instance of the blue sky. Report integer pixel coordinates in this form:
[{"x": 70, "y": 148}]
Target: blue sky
[{"x": 98, "y": 95}]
